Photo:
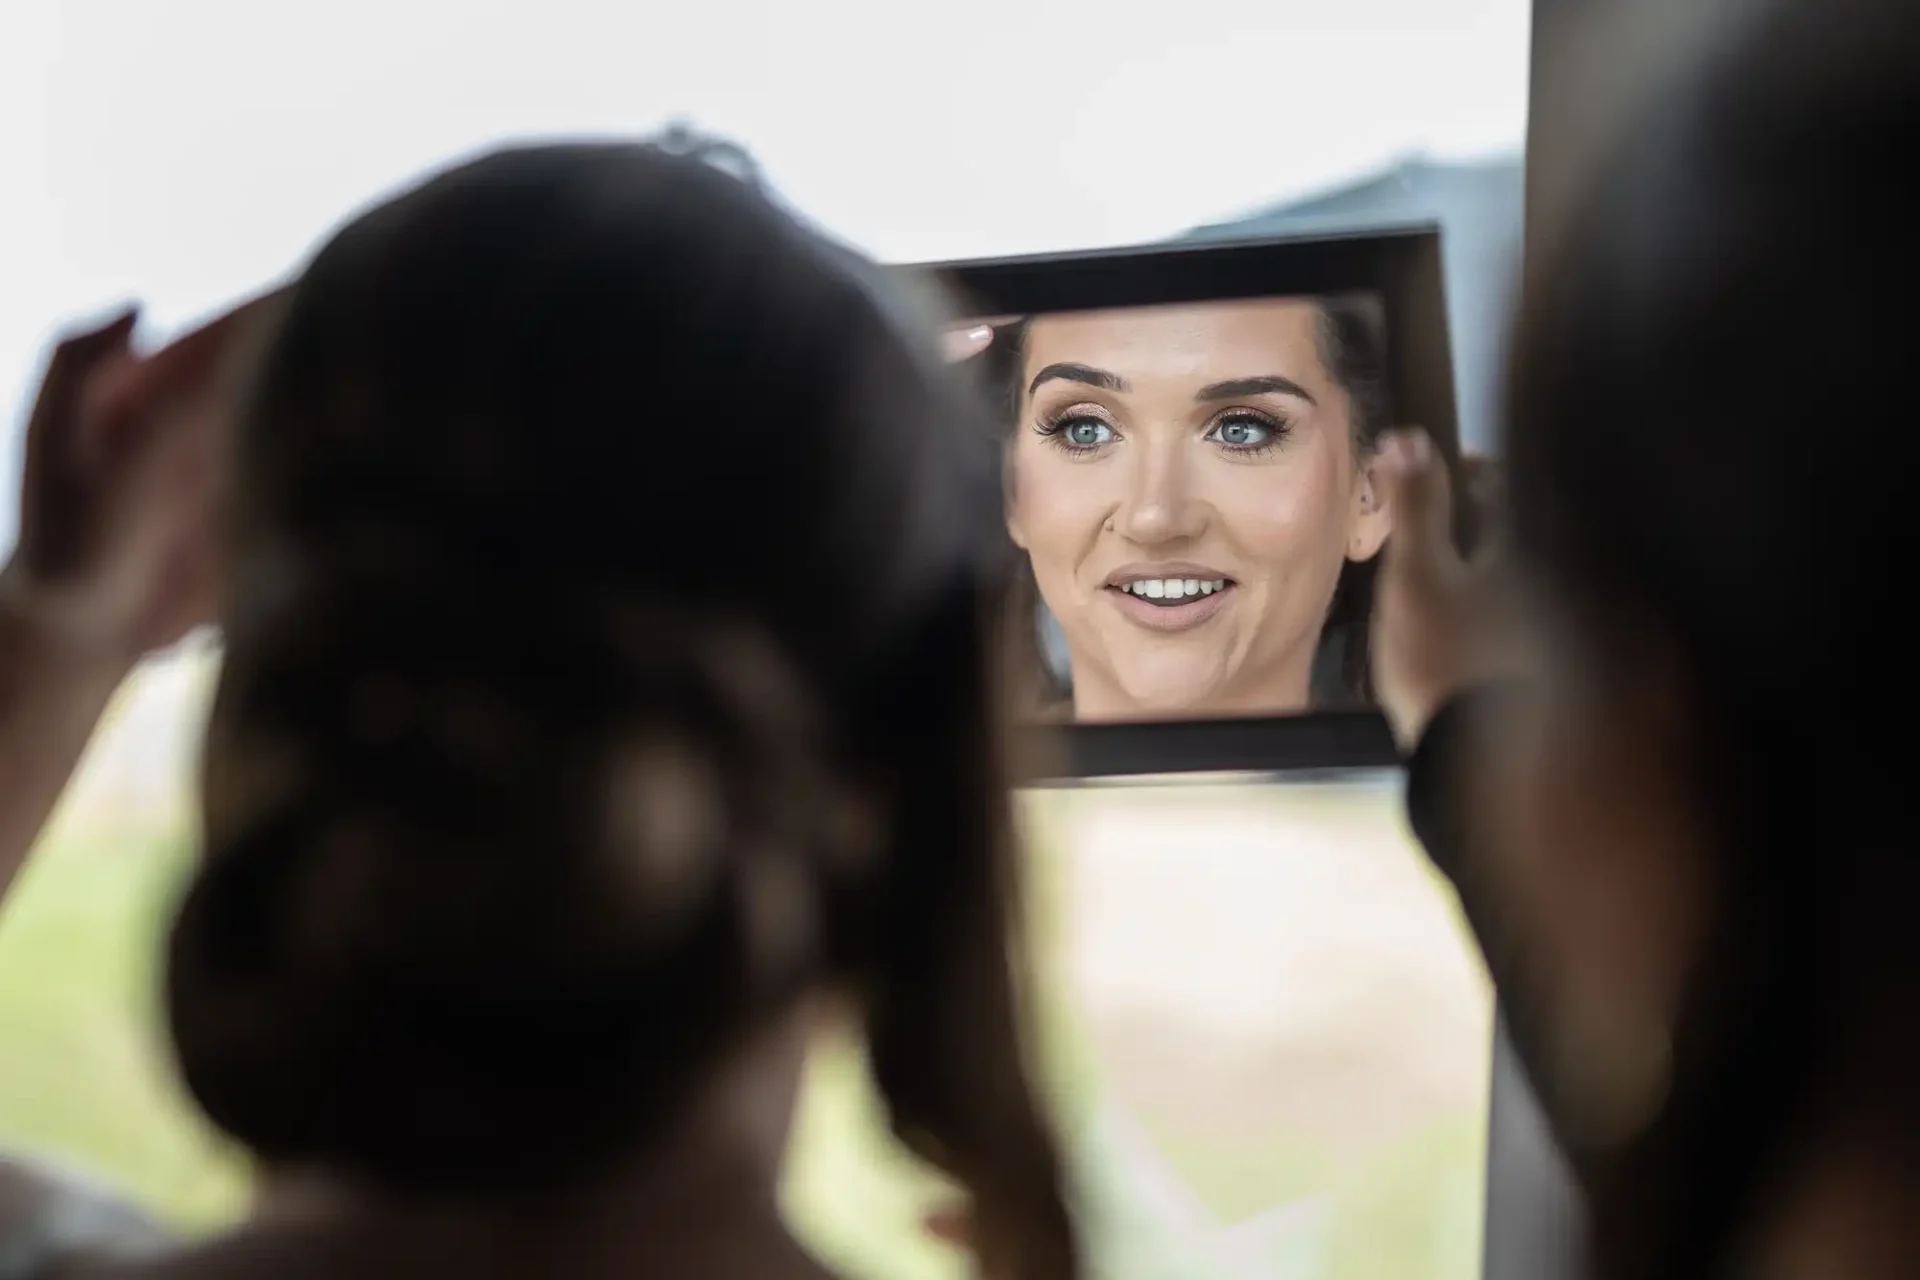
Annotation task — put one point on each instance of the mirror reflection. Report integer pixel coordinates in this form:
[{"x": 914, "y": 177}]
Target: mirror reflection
[{"x": 1191, "y": 485}]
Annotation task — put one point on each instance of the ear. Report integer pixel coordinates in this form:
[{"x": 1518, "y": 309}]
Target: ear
[{"x": 1370, "y": 519}]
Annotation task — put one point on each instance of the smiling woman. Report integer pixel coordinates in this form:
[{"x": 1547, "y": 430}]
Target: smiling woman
[{"x": 1191, "y": 484}]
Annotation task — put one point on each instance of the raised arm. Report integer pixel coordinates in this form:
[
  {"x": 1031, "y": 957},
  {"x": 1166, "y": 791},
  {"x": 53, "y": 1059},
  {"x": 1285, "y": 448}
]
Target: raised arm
[
  {"x": 50, "y": 700},
  {"x": 116, "y": 555},
  {"x": 1455, "y": 681}
]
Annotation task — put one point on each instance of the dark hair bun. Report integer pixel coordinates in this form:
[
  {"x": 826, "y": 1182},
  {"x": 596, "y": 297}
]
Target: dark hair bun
[{"x": 465, "y": 867}]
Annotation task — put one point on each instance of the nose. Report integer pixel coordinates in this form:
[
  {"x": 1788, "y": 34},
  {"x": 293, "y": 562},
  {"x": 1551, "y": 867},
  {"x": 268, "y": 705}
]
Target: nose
[{"x": 1159, "y": 504}]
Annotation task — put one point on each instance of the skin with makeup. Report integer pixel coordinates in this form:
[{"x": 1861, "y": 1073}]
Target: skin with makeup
[{"x": 1189, "y": 482}]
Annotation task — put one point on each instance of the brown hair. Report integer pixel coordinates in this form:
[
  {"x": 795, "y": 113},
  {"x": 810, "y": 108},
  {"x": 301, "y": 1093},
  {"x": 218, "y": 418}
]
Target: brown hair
[
  {"x": 610, "y": 660},
  {"x": 1724, "y": 263}
]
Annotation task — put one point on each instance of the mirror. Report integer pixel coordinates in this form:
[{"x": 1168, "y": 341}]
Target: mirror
[{"x": 1191, "y": 470}]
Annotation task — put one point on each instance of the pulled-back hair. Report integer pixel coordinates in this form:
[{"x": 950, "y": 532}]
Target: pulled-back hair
[{"x": 609, "y": 661}]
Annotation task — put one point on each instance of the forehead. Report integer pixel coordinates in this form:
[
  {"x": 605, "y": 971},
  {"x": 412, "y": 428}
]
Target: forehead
[{"x": 1263, "y": 335}]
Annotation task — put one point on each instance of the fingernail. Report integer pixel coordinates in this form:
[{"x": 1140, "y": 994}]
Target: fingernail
[
  {"x": 1394, "y": 456},
  {"x": 1407, "y": 450},
  {"x": 980, "y": 333}
]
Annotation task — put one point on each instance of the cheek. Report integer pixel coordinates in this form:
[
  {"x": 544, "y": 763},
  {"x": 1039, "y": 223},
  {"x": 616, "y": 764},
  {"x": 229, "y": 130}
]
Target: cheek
[
  {"x": 1286, "y": 515},
  {"x": 1060, "y": 503}
]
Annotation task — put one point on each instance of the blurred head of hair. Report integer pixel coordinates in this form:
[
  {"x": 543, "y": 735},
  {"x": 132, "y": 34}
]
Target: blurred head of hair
[
  {"x": 609, "y": 668},
  {"x": 1707, "y": 431}
]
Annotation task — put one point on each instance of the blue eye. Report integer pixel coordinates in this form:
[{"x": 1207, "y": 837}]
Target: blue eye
[
  {"x": 1242, "y": 432},
  {"x": 1085, "y": 433},
  {"x": 1088, "y": 434}
]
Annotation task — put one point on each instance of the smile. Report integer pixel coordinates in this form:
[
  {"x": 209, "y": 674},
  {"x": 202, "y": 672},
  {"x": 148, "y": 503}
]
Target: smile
[
  {"x": 1170, "y": 604},
  {"x": 1172, "y": 591}
]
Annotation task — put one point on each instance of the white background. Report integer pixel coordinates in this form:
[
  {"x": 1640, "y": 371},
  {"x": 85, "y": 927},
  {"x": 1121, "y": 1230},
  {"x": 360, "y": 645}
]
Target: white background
[{"x": 181, "y": 151}]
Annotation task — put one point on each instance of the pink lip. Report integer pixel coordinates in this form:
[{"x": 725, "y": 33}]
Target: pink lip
[{"x": 1170, "y": 618}]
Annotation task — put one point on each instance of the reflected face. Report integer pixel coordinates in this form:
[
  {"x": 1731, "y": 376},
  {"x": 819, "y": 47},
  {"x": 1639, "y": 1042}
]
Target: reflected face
[{"x": 1187, "y": 485}]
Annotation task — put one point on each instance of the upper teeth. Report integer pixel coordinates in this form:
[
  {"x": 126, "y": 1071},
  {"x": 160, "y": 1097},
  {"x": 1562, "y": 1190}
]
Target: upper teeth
[{"x": 1173, "y": 588}]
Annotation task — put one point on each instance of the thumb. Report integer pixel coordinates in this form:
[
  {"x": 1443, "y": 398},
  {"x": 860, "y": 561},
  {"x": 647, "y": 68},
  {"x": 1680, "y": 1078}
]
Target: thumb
[
  {"x": 1419, "y": 493},
  {"x": 952, "y": 1224}
]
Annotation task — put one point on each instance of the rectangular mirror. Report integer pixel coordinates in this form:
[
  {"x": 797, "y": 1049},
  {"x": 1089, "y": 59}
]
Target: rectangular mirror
[{"x": 1188, "y": 437}]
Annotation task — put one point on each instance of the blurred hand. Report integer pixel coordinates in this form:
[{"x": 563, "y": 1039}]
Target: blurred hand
[
  {"x": 953, "y": 1224},
  {"x": 117, "y": 555},
  {"x": 1436, "y": 616},
  {"x": 969, "y": 338}
]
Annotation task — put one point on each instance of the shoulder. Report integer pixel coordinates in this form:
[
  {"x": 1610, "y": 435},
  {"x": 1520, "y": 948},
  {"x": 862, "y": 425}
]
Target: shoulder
[{"x": 51, "y": 1215}]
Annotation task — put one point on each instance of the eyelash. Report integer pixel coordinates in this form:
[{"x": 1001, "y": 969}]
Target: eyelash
[
  {"x": 1277, "y": 429},
  {"x": 1053, "y": 427}
]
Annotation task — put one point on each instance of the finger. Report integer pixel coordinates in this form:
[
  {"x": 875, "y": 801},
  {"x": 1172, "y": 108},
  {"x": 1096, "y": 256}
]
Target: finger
[
  {"x": 952, "y": 1224},
  {"x": 967, "y": 342},
  {"x": 176, "y": 372},
  {"x": 198, "y": 364},
  {"x": 1420, "y": 496},
  {"x": 88, "y": 345},
  {"x": 75, "y": 364},
  {"x": 52, "y": 445},
  {"x": 197, "y": 349}
]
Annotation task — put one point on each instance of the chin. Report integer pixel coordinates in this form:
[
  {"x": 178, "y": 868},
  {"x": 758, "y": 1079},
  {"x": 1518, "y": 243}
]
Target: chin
[{"x": 1165, "y": 698}]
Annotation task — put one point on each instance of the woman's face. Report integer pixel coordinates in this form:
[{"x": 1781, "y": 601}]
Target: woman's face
[{"x": 1186, "y": 483}]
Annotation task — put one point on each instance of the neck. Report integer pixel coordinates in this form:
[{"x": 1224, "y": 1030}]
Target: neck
[{"x": 692, "y": 1202}]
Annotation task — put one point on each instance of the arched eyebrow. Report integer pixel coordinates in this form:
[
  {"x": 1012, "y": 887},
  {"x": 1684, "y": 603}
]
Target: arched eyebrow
[
  {"x": 1265, "y": 384},
  {"x": 1231, "y": 389},
  {"x": 1082, "y": 373}
]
